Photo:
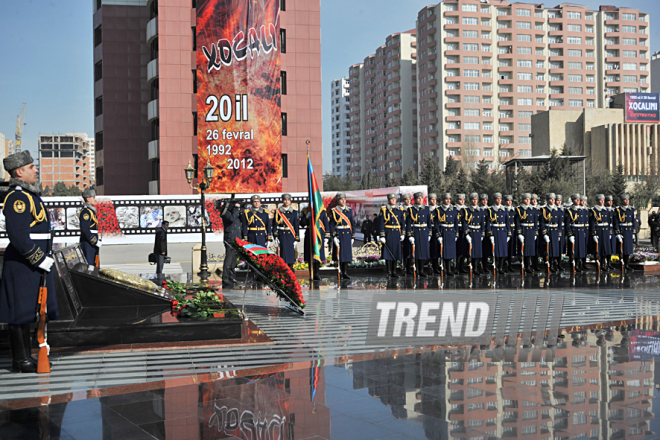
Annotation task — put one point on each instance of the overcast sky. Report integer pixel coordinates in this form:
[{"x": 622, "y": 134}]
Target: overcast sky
[{"x": 46, "y": 56}]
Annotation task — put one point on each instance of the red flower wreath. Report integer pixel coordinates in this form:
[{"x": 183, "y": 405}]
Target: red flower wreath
[{"x": 277, "y": 272}]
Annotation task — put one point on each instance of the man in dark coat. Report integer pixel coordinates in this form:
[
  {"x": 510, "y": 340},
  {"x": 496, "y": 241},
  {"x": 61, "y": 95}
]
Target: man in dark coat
[
  {"x": 342, "y": 228},
  {"x": 230, "y": 211},
  {"x": 512, "y": 249},
  {"x": 391, "y": 228},
  {"x": 576, "y": 224},
  {"x": 89, "y": 228},
  {"x": 418, "y": 230},
  {"x": 160, "y": 247},
  {"x": 526, "y": 217},
  {"x": 374, "y": 228},
  {"x": 486, "y": 247},
  {"x": 286, "y": 230},
  {"x": 559, "y": 203},
  {"x": 26, "y": 259},
  {"x": 624, "y": 228},
  {"x": 406, "y": 247},
  {"x": 654, "y": 225},
  {"x": 551, "y": 227},
  {"x": 473, "y": 219},
  {"x": 366, "y": 229},
  {"x": 256, "y": 224}
]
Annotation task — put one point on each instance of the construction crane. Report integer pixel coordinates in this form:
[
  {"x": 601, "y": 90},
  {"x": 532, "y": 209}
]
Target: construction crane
[{"x": 20, "y": 122}]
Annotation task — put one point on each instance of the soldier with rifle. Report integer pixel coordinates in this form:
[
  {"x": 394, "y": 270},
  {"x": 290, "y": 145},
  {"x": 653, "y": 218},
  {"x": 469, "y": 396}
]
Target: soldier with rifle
[{"x": 391, "y": 229}]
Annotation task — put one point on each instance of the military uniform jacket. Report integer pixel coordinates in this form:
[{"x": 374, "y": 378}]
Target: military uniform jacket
[
  {"x": 624, "y": 224},
  {"x": 28, "y": 228},
  {"x": 512, "y": 245},
  {"x": 576, "y": 223},
  {"x": 498, "y": 217},
  {"x": 391, "y": 225},
  {"x": 446, "y": 219},
  {"x": 342, "y": 226},
  {"x": 419, "y": 225},
  {"x": 600, "y": 225},
  {"x": 462, "y": 246},
  {"x": 434, "y": 246},
  {"x": 256, "y": 226},
  {"x": 473, "y": 220},
  {"x": 89, "y": 232},
  {"x": 325, "y": 233},
  {"x": 551, "y": 223},
  {"x": 286, "y": 229},
  {"x": 406, "y": 247},
  {"x": 527, "y": 226}
]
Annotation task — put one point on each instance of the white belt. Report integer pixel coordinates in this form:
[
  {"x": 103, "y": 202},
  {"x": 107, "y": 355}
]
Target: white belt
[
  {"x": 342, "y": 227},
  {"x": 625, "y": 224},
  {"x": 421, "y": 225},
  {"x": 527, "y": 224},
  {"x": 475, "y": 227},
  {"x": 93, "y": 231},
  {"x": 554, "y": 225},
  {"x": 602, "y": 224},
  {"x": 580, "y": 225},
  {"x": 284, "y": 228},
  {"x": 35, "y": 236},
  {"x": 447, "y": 226},
  {"x": 500, "y": 225}
]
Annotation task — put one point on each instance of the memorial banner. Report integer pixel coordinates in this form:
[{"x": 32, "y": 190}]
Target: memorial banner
[
  {"x": 239, "y": 115},
  {"x": 642, "y": 107}
]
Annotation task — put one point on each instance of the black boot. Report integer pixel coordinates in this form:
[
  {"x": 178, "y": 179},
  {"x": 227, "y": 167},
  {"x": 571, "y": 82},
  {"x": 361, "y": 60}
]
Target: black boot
[
  {"x": 463, "y": 265},
  {"x": 409, "y": 268},
  {"x": 499, "y": 262},
  {"x": 344, "y": 273},
  {"x": 583, "y": 263},
  {"x": 559, "y": 266},
  {"x": 21, "y": 360},
  {"x": 535, "y": 264},
  {"x": 436, "y": 266},
  {"x": 27, "y": 341},
  {"x": 421, "y": 270},
  {"x": 317, "y": 268},
  {"x": 554, "y": 263},
  {"x": 476, "y": 266},
  {"x": 626, "y": 260},
  {"x": 448, "y": 269}
]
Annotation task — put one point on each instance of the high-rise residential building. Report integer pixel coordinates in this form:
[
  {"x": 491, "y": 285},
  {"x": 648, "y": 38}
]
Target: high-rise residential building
[
  {"x": 64, "y": 158},
  {"x": 145, "y": 94},
  {"x": 383, "y": 110},
  {"x": 340, "y": 127},
  {"x": 9, "y": 146},
  {"x": 484, "y": 68},
  {"x": 655, "y": 72}
]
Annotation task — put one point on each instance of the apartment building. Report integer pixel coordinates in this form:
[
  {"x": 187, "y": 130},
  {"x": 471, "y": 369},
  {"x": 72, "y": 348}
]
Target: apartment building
[
  {"x": 340, "y": 127},
  {"x": 66, "y": 159},
  {"x": 383, "y": 110},
  {"x": 484, "y": 68}
]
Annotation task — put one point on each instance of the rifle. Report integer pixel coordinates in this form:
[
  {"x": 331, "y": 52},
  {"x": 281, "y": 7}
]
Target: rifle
[
  {"x": 470, "y": 257},
  {"x": 547, "y": 256},
  {"x": 623, "y": 266},
  {"x": 522, "y": 258},
  {"x": 442, "y": 263},
  {"x": 494, "y": 264},
  {"x": 97, "y": 258},
  {"x": 414, "y": 261},
  {"x": 43, "y": 364},
  {"x": 597, "y": 258},
  {"x": 338, "y": 263},
  {"x": 573, "y": 256}
]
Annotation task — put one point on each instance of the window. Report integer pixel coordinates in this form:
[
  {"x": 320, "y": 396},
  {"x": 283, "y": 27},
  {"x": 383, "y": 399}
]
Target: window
[
  {"x": 470, "y": 34},
  {"x": 540, "y": 102},
  {"x": 488, "y": 125},
  {"x": 524, "y": 63},
  {"x": 471, "y": 86},
  {"x": 574, "y": 53},
  {"x": 572, "y": 65},
  {"x": 470, "y": 47},
  {"x": 485, "y": 35},
  {"x": 629, "y": 29},
  {"x": 472, "y": 126},
  {"x": 524, "y": 50},
  {"x": 282, "y": 40},
  {"x": 524, "y": 76},
  {"x": 629, "y": 66},
  {"x": 574, "y": 28},
  {"x": 470, "y": 8},
  {"x": 591, "y": 91},
  {"x": 485, "y": 21},
  {"x": 539, "y": 51},
  {"x": 471, "y": 112},
  {"x": 525, "y": 127},
  {"x": 99, "y": 176},
  {"x": 98, "y": 141},
  {"x": 524, "y": 37},
  {"x": 469, "y": 99},
  {"x": 524, "y": 140},
  {"x": 540, "y": 64},
  {"x": 630, "y": 54},
  {"x": 628, "y": 16},
  {"x": 539, "y": 38},
  {"x": 540, "y": 76},
  {"x": 485, "y": 47},
  {"x": 590, "y": 66},
  {"x": 525, "y": 101},
  {"x": 98, "y": 36},
  {"x": 574, "y": 15},
  {"x": 282, "y": 81},
  {"x": 470, "y": 20},
  {"x": 575, "y": 78},
  {"x": 591, "y": 79},
  {"x": 488, "y": 139},
  {"x": 284, "y": 125},
  {"x": 540, "y": 89},
  {"x": 556, "y": 102},
  {"x": 630, "y": 41},
  {"x": 488, "y": 151},
  {"x": 471, "y": 60},
  {"x": 525, "y": 89},
  {"x": 523, "y": 25},
  {"x": 574, "y": 40},
  {"x": 630, "y": 78},
  {"x": 575, "y": 103},
  {"x": 450, "y": 20},
  {"x": 523, "y": 12},
  {"x": 575, "y": 90},
  {"x": 98, "y": 106},
  {"x": 98, "y": 71}
]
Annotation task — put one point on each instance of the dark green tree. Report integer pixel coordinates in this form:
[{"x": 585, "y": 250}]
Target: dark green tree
[
  {"x": 390, "y": 182},
  {"x": 451, "y": 168},
  {"x": 337, "y": 183},
  {"x": 646, "y": 191},
  {"x": 461, "y": 184},
  {"x": 409, "y": 178},
  {"x": 619, "y": 183},
  {"x": 431, "y": 176},
  {"x": 61, "y": 190},
  {"x": 485, "y": 181},
  {"x": 369, "y": 181}
]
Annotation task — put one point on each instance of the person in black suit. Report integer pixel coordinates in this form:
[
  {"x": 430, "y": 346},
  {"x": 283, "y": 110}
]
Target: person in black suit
[
  {"x": 374, "y": 229},
  {"x": 160, "y": 247},
  {"x": 230, "y": 211},
  {"x": 367, "y": 226}
]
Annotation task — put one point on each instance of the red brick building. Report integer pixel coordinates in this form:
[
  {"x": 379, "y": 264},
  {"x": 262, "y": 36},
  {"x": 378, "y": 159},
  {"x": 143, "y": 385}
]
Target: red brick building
[{"x": 66, "y": 159}]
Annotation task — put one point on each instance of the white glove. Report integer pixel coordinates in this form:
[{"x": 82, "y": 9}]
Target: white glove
[
  {"x": 596, "y": 239},
  {"x": 633, "y": 237},
  {"x": 469, "y": 239},
  {"x": 521, "y": 238},
  {"x": 508, "y": 239},
  {"x": 276, "y": 242},
  {"x": 403, "y": 237},
  {"x": 411, "y": 240},
  {"x": 326, "y": 241},
  {"x": 382, "y": 240},
  {"x": 492, "y": 240},
  {"x": 352, "y": 241},
  {"x": 456, "y": 238},
  {"x": 336, "y": 240},
  {"x": 98, "y": 243},
  {"x": 46, "y": 264},
  {"x": 620, "y": 238},
  {"x": 571, "y": 239},
  {"x": 440, "y": 240},
  {"x": 429, "y": 238},
  {"x": 546, "y": 238}
]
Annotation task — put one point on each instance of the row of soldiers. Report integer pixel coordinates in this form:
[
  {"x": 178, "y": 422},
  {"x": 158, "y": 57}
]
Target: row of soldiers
[{"x": 457, "y": 236}]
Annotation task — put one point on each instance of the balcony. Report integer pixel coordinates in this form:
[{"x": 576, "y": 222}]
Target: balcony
[
  {"x": 152, "y": 110},
  {"x": 153, "y": 149},
  {"x": 152, "y": 30},
  {"x": 152, "y": 70}
]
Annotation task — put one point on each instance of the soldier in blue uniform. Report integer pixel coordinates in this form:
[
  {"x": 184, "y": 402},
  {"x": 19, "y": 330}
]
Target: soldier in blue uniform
[
  {"x": 614, "y": 245},
  {"x": 583, "y": 205},
  {"x": 576, "y": 223},
  {"x": 305, "y": 222},
  {"x": 255, "y": 223},
  {"x": 406, "y": 247},
  {"x": 446, "y": 221},
  {"x": 534, "y": 201},
  {"x": 500, "y": 231},
  {"x": 391, "y": 227},
  {"x": 624, "y": 228},
  {"x": 526, "y": 226},
  {"x": 559, "y": 203},
  {"x": 90, "y": 242},
  {"x": 286, "y": 230},
  {"x": 473, "y": 219},
  {"x": 486, "y": 248},
  {"x": 26, "y": 259},
  {"x": 418, "y": 230},
  {"x": 433, "y": 244},
  {"x": 512, "y": 248},
  {"x": 342, "y": 229},
  {"x": 551, "y": 227},
  {"x": 600, "y": 231},
  {"x": 462, "y": 245}
]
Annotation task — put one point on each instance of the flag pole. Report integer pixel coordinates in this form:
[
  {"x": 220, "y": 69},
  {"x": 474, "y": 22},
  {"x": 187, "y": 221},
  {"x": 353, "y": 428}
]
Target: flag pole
[{"x": 312, "y": 224}]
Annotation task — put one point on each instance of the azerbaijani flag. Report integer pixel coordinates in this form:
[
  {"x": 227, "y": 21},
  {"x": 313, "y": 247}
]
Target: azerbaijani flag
[{"x": 316, "y": 205}]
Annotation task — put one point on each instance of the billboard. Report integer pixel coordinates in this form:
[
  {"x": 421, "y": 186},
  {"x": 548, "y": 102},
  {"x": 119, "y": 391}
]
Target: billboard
[
  {"x": 239, "y": 117},
  {"x": 642, "y": 107}
]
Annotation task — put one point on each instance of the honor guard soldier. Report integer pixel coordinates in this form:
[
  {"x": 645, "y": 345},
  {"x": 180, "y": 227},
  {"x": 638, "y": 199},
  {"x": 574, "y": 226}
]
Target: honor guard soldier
[
  {"x": 500, "y": 232},
  {"x": 342, "y": 228},
  {"x": 434, "y": 246},
  {"x": 609, "y": 204},
  {"x": 462, "y": 245},
  {"x": 306, "y": 222},
  {"x": 600, "y": 231},
  {"x": 551, "y": 226},
  {"x": 624, "y": 228},
  {"x": 256, "y": 224},
  {"x": 535, "y": 259},
  {"x": 286, "y": 231},
  {"x": 486, "y": 248},
  {"x": 512, "y": 248},
  {"x": 576, "y": 223},
  {"x": 583, "y": 201},
  {"x": 473, "y": 219},
  {"x": 391, "y": 227},
  {"x": 90, "y": 243},
  {"x": 26, "y": 259},
  {"x": 446, "y": 227},
  {"x": 583, "y": 205},
  {"x": 419, "y": 229},
  {"x": 559, "y": 203},
  {"x": 526, "y": 226},
  {"x": 406, "y": 247}
]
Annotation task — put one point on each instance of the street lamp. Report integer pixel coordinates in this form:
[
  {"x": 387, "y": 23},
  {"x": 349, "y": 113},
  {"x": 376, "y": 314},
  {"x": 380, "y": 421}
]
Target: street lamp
[{"x": 202, "y": 186}]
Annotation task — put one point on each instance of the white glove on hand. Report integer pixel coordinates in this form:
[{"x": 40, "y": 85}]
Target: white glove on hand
[
  {"x": 492, "y": 240},
  {"x": 546, "y": 238},
  {"x": 352, "y": 241},
  {"x": 571, "y": 239},
  {"x": 403, "y": 237},
  {"x": 596, "y": 239},
  {"x": 276, "y": 242},
  {"x": 382, "y": 240},
  {"x": 521, "y": 238},
  {"x": 336, "y": 240},
  {"x": 508, "y": 239},
  {"x": 430, "y": 238},
  {"x": 633, "y": 237},
  {"x": 411, "y": 240},
  {"x": 620, "y": 238},
  {"x": 98, "y": 243},
  {"x": 46, "y": 264},
  {"x": 469, "y": 239},
  {"x": 440, "y": 240}
]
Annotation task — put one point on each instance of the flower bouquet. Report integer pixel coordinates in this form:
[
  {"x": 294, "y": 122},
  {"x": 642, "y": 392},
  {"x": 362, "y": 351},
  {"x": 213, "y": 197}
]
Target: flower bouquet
[
  {"x": 274, "y": 271},
  {"x": 202, "y": 306}
]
